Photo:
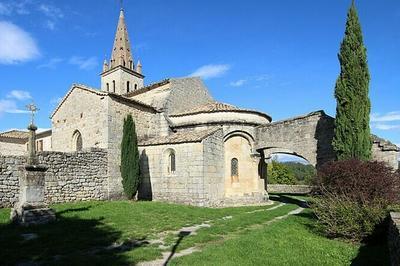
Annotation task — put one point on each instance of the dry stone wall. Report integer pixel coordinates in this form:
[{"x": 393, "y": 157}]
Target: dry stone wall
[{"x": 73, "y": 176}]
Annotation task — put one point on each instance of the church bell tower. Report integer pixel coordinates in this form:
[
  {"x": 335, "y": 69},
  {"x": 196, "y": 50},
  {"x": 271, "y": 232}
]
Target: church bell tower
[{"x": 121, "y": 75}]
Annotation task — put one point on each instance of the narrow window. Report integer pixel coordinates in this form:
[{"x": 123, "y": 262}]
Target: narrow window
[
  {"x": 127, "y": 86},
  {"x": 77, "y": 140},
  {"x": 235, "y": 170},
  {"x": 108, "y": 87},
  {"x": 172, "y": 165},
  {"x": 114, "y": 86},
  {"x": 135, "y": 86}
]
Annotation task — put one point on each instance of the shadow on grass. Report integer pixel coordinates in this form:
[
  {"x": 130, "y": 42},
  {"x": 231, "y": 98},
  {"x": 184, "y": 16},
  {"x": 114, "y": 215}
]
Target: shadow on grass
[
  {"x": 181, "y": 235},
  {"x": 288, "y": 199},
  {"x": 67, "y": 241}
]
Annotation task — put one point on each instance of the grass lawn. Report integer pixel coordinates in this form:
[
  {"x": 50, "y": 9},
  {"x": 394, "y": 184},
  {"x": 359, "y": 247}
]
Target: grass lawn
[{"x": 239, "y": 236}]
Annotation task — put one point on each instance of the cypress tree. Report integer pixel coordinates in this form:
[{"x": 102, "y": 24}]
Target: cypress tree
[
  {"x": 129, "y": 159},
  {"x": 352, "y": 137}
]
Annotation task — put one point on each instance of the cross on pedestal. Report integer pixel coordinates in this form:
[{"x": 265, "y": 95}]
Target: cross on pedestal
[{"x": 33, "y": 109}]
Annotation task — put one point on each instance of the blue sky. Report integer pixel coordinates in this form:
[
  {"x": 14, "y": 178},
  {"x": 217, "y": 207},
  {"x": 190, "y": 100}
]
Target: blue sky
[{"x": 279, "y": 57}]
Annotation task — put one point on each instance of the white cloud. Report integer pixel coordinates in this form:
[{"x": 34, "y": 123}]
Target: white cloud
[
  {"x": 388, "y": 117},
  {"x": 288, "y": 158},
  {"x": 238, "y": 83},
  {"x": 52, "y": 63},
  {"x": 19, "y": 95},
  {"x": 16, "y": 45},
  {"x": 381, "y": 126},
  {"x": 10, "y": 106},
  {"x": 210, "y": 71},
  {"x": 263, "y": 77},
  {"x": 51, "y": 11},
  {"x": 51, "y": 25},
  {"x": 84, "y": 63}
]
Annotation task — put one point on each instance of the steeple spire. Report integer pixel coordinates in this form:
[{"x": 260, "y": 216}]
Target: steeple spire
[
  {"x": 121, "y": 75},
  {"x": 121, "y": 53}
]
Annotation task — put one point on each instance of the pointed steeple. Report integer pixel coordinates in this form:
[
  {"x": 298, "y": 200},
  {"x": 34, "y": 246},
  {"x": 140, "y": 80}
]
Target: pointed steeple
[
  {"x": 139, "y": 67},
  {"x": 121, "y": 53}
]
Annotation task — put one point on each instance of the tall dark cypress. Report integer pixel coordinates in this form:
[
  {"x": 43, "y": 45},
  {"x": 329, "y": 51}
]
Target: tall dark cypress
[
  {"x": 129, "y": 159},
  {"x": 352, "y": 137}
]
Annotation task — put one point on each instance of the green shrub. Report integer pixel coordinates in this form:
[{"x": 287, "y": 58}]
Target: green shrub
[
  {"x": 354, "y": 197},
  {"x": 341, "y": 216}
]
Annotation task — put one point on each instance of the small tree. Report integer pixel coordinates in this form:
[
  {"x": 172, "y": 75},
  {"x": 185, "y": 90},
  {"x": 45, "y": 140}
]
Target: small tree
[
  {"x": 279, "y": 173},
  {"x": 129, "y": 159},
  {"x": 352, "y": 137}
]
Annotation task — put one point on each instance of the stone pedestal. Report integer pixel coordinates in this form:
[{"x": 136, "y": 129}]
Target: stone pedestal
[{"x": 31, "y": 208}]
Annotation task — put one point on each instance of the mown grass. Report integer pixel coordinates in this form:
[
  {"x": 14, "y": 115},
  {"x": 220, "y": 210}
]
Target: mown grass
[
  {"x": 237, "y": 236},
  {"x": 291, "y": 241},
  {"x": 83, "y": 230}
]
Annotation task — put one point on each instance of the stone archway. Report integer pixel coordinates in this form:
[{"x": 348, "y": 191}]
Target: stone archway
[{"x": 309, "y": 137}]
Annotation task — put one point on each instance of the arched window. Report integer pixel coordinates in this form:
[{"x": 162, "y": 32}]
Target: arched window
[
  {"x": 135, "y": 86},
  {"x": 77, "y": 140},
  {"x": 108, "y": 87},
  {"x": 172, "y": 163},
  {"x": 127, "y": 86},
  {"x": 235, "y": 170},
  {"x": 113, "y": 85}
]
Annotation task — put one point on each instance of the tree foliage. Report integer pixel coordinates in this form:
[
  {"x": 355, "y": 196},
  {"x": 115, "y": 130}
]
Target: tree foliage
[
  {"x": 129, "y": 159},
  {"x": 278, "y": 173},
  {"x": 352, "y": 132}
]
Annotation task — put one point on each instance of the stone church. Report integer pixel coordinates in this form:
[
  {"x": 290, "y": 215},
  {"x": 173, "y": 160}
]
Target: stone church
[{"x": 193, "y": 149}]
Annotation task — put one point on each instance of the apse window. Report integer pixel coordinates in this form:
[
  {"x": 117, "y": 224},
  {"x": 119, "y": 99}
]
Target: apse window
[{"x": 235, "y": 170}]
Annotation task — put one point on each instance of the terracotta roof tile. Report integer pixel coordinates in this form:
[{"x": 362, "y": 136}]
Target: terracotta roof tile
[
  {"x": 219, "y": 107},
  {"x": 180, "y": 137},
  {"x": 15, "y": 134}
]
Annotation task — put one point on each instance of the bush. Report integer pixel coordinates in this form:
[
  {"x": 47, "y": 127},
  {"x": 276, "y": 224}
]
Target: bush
[
  {"x": 341, "y": 216},
  {"x": 359, "y": 180},
  {"x": 354, "y": 197}
]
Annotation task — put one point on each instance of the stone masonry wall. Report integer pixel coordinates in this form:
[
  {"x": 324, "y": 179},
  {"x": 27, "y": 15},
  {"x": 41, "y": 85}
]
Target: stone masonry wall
[
  {"x": 390, "y": 157},
  {"x": 147, "y": 123},
  {"x": 74, "y": 114},
  {"x": 213, "y": 153},
  {"x": 72, "y": 176},
  {"x": 185, "y": 185},
  {"x": 290, "y": 189},
  {"x": 7, "y": 148}
]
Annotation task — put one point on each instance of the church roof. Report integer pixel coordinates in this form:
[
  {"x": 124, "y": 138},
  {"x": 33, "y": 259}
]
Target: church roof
[
  {"x": 180, "y": 137},
  {"x": 148, "y": 88},
  {"x": 15, "y": 134},
  {"x": 218, "y": 107},
  {"x": 100, "y": 93}
]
